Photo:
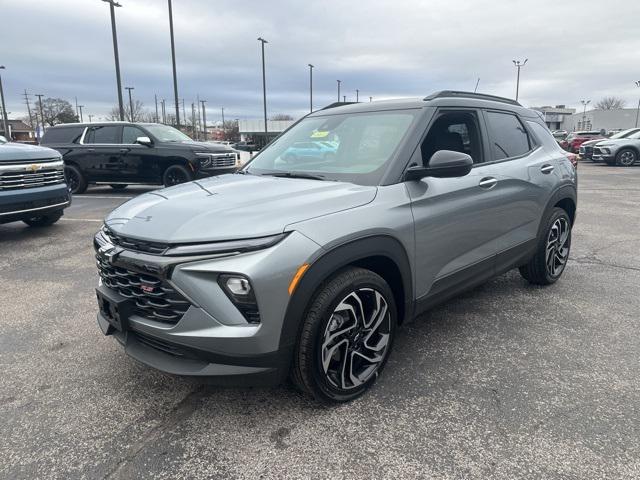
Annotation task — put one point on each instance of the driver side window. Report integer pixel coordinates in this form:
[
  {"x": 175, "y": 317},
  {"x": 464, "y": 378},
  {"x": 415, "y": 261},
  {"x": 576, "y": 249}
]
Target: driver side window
[{"x": 457, "y": 131}]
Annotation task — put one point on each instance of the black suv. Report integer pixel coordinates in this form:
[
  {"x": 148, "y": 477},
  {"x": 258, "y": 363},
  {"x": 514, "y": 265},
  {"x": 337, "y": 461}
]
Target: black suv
[{"x": 124, "y": 153}]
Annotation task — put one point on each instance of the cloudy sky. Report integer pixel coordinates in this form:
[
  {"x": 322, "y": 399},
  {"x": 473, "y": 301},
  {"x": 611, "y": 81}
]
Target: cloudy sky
[{"x": 576, "y": 50}]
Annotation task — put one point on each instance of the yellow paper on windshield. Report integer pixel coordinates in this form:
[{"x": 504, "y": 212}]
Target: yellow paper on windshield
[{"x": 319, "y": 134}]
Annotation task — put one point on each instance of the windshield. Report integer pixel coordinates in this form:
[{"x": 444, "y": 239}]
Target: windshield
[
  {"x": 631, "y": 133},
  {"x": 164, "y": 133},
  {"x": 354, "y": 147}
]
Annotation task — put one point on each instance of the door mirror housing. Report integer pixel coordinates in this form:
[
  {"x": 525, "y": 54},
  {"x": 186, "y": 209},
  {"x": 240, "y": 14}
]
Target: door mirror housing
[
  {"x": 144, "y": 141},
  {"x": 442, "y": 164}
]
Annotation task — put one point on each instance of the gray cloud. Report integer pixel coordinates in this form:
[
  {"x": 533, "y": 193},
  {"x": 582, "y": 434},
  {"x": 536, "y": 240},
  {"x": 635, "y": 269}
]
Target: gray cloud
[{"x": 576, "y": 50}]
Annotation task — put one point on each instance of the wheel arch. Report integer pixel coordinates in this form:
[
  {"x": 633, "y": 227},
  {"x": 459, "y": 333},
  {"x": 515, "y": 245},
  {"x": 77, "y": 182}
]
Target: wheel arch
[
  {"x": 566, "y": 198},
  {"x": 381, "y": 254}
]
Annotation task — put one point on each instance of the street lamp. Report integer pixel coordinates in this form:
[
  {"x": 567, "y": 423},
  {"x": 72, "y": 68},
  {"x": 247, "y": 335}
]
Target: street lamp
[
  {"x": 80, "y": 110},
  {"x": 112, "y": 5},
  {"x": 5, "y": 120},
  {"x": 638, "y": 110},
  {"x": 518, "y": 66},
  {"x": 310, "y": 87},
  {"x": 173, "y": 60},
  {"x": 339, "y": 82},
  {"x": 130, "y": 103},
  {"x": 357, "y": 95},
  {"x": 584, "y": 111},
  {"x": 264, "y": 88}
]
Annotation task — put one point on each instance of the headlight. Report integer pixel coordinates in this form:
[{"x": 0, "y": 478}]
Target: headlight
[
  {"x": 239, "y": 246},
  {"x": 204, "y": 159}
]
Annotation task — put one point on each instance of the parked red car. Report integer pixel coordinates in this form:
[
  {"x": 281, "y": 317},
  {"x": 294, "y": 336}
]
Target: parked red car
[{"x": 575, "y": 139}]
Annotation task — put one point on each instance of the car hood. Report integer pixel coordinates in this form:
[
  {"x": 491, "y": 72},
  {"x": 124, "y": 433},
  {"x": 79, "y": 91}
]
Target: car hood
[
  {"x": 589, "y": 143},
  {"x": 20, "y": 151},
  {"x": 232, "y": 207},
  {"x": 202, "y": 146},
  {"x": 619, "y": 141}
]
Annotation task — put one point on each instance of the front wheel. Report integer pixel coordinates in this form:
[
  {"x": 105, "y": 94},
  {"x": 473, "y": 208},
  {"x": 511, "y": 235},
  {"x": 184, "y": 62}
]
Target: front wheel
[
  {"x": 175, "y": 175},
  {"x": 76, "y": 181},
  {"x": 346, "y": 336},
  {"x": 43, "y": 220},
  {"x": 626, "y": 157},
  {"x": 552, "y": 254}
]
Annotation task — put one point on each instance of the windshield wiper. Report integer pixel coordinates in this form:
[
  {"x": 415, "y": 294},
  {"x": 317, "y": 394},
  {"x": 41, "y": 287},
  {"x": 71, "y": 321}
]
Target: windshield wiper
[{"x": 308, "y": 176}]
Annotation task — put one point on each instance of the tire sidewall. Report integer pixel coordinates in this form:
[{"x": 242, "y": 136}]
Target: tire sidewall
[
  {"x": 180, "y": 168},
  {"x": 555, "y": 215},
  {"x": 320, "y": 383},
  {"x": 82, "y": 182},
  {"x": 619, "y": 156}
]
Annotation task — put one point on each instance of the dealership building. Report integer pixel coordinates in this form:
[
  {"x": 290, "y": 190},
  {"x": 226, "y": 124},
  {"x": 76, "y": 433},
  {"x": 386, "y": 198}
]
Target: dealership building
[
  {"x": 614, "y": 119},
  {"x": 253, "y": 130}
]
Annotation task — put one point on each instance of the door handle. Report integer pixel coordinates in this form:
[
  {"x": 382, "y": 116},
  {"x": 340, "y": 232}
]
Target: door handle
[
  {"x": 546, "y": 168},
  {"x": 124, "y": 150},
  {"x": 91, "y": 150},
  {"x": 488, "y": 182}
]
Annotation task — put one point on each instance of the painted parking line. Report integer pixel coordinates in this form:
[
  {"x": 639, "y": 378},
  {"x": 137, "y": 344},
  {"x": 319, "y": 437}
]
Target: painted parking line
[
  {"x": 103, "y": 196},
  {"x": 67, "y": 219}
]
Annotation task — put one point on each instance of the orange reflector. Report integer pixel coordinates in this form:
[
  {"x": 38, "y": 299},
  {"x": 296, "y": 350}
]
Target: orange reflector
[{"x": 296, "y": 278}]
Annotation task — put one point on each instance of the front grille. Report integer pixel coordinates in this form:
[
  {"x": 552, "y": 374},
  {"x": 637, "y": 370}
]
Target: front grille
[
  {"x": 20, "y": 179},
  {"x": 153, "y": 298},
  {"x": 158, "y": 344},
  {"x": 220, "y": 160},
  {"x": 136, "y": 245}
]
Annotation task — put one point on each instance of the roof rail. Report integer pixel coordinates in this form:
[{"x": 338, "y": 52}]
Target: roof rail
[
  {"x": 337, "y": 104},
  {"x": 479, "y": 96}
]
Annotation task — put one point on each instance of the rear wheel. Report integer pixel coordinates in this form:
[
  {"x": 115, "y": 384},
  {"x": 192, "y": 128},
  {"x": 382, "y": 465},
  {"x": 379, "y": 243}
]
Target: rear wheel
[
  {"x": 346, "y": 336},
  {"x": 626, "y": 157},
  {"x": 552, "y": 254},
  {"x": 43, "y": 220},
  {"x": 76, "y": 181},
  {"x": 175, "y": 175},
  {"x": 118, "y": 186}
]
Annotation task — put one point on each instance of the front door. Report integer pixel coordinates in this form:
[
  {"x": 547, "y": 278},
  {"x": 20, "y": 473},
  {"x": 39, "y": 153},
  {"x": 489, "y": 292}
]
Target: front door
[
  {"x": 138, "y": 163},
  {"x": 101, "y": 152}
]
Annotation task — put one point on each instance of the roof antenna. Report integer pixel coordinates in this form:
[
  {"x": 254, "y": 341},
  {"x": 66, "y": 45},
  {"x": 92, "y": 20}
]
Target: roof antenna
[{"x": 476, "y": 89}]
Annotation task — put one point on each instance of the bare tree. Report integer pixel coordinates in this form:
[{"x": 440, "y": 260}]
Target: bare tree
[
  {"x": 610, "y": 103},
  {"x": 281, "y": 116},
  {"x": 140, "y": 114},
  {"x": 57, "y": 110}
]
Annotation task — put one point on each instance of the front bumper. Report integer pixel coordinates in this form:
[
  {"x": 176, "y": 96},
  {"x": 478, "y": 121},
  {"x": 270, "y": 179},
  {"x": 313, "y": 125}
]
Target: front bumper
[
  {"x": 28, "y": 202},
  {"x": 213, "y": 172},
  {"x": 212, "y": 338}
]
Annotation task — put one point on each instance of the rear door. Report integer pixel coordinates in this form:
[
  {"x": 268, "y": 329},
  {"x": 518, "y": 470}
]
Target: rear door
[
  {"x": 101, "y": 150},
  {"x": 526, "y": 174}
]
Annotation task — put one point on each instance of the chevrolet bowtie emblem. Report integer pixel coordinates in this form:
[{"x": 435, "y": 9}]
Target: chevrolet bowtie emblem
[
  {"x": 109, "y": 252},
  {"x": 34, "y": 167}
]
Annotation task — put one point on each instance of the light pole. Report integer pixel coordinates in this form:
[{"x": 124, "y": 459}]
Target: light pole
[
  {"x": 638, "y": 110},
  {"x": 204, "y": 120},
  {"x": 344, "y": 99},
  {"x": 370, "y": 99},
  {"x": 40, "y": 95},
  {"x": 155, "y": 97},
  {"x": 584, "y": 112},
  {"x": 339, "y": 82},
  {"x": 26, "y": 100},
  {"x": 518, "y": 65},
  {"x": 80, "y": 110},
  {"x": 164, "y": 111},
  {"x": 173, "y": 61},
  {"x": 112, "y": 5},
  {"x": 130, "y": 103},
  {"x": 357, "y": 95},
  {"x": 224, "y": 132},
  {"x": 5, "y": 120},
  {"x": 90, "y": 117},
  {"x": 264, "y": 89},
  {"x": 477, "y": 83},
  {"x": 193, "y": 120},
  {"x": 310, "y": 88}
]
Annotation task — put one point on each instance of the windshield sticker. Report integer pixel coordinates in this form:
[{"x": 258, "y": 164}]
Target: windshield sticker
[{"x": 319, "y": 134}]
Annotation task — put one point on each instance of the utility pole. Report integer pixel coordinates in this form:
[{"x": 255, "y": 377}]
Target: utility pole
[
  {"x": 80, "y": 109},
  {"x": 344, "y": 98},
  {"x": 77, "y": 111},
  {"x": 26, "y": 100},
  {"x": 164, "y": 112},
  {"x": 155, "y": 97},
  {"x": 199, "y": 116},
  {"x": 204, "y": 120},
  {"x": 224, "y": 131},
  {"x": 193, "y": 120},
  {"x": 5, "y": 120},
  {"x": 40, "y": 95},
  {"x": 518, "y": 66},
  {"x": 264, "y": 90},
  {"x": 584, "y": 112},
  {"x": 184, "y": 114},
  {"x": 112, "y": 10},
  {"x": 477, "y": 83},
  {"x": 131, "y": 119},
  {"x": 638, "y": 110},
  {"x": 173, "y": 61},
  {"x": 339, "y": 82},
  {"x": 357, "y": 95},
  {"x": 90, "y": 117},
  {"x": 310, "y": 88},
  {"x": 370, "y": 99}
]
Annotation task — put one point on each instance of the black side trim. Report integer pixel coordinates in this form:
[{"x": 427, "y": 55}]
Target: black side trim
[
  {"x": 335, "y": 259},
  {"x": 565, "y": 191}
]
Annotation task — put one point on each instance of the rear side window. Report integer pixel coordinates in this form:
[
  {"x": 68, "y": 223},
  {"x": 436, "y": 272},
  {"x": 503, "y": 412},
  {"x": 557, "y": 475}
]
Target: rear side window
[
  {"x": 508, "y": 136},
  {"x": 102, "y": 134},
  {"x": 62, "y": 135}
]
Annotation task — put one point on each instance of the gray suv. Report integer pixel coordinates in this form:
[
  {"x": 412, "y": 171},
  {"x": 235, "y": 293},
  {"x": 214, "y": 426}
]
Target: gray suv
[{"x": 306, "y": 265}]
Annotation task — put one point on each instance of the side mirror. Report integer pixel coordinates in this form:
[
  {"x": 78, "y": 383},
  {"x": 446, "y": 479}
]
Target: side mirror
[
  {"x": 144, "y": 141},
  {"x": 442, "y": 164}
]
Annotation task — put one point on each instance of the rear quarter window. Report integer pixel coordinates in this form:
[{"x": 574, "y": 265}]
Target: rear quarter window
[
  {"x": 544, "y": 136},
  {"x": 62, "y": 135}
]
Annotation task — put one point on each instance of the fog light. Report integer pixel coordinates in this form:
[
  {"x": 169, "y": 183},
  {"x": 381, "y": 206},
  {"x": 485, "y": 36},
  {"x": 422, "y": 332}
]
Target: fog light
[{"x": 238, "y": 285}]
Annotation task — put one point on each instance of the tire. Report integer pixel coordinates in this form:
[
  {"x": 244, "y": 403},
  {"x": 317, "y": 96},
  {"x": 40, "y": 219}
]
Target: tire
[
  {"x": 44, "y": 220},
  {"x": 556, "y": 241},
  {"x": 75, "y": 179},
  {"x": 626, "y": 157},
  {"x": 118, "y": 186},
  {"x": 175, "y": 175},
  {"x": 331, "y": 310}
]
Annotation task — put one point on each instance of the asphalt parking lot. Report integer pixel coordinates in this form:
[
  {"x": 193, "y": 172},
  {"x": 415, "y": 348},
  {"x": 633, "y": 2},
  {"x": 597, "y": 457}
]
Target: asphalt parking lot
[{"x": 507, "y": 381}]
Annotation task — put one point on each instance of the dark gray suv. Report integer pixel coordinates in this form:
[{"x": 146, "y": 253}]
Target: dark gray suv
[{"x": 303, "y": 264}]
